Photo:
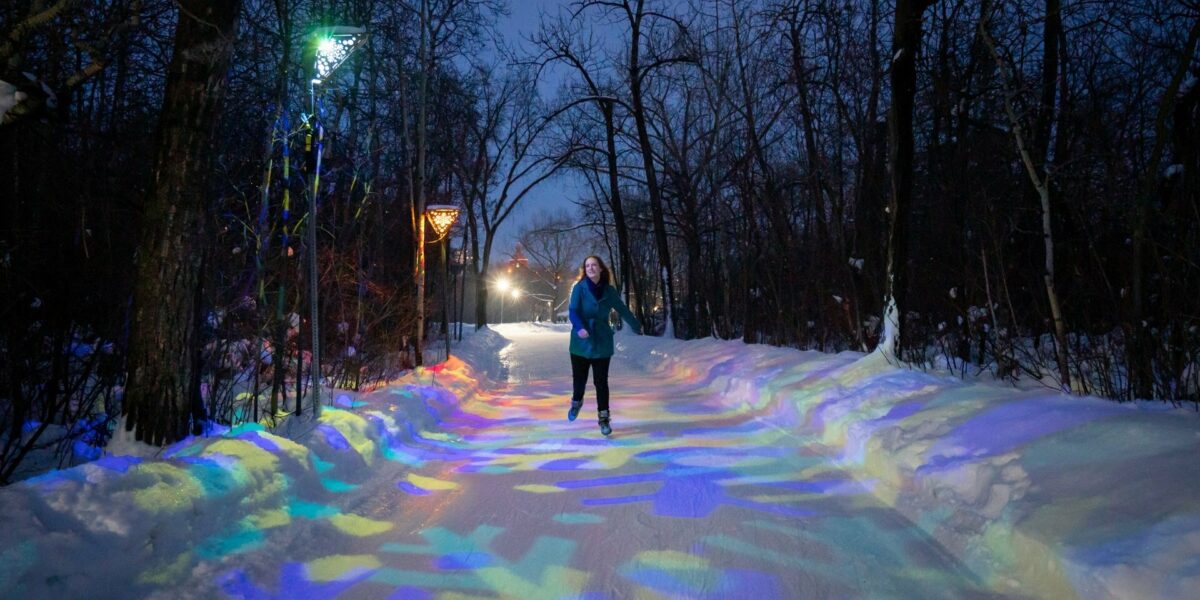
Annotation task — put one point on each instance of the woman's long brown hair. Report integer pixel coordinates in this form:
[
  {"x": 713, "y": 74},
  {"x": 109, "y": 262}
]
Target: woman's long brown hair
[{"x": 606, "y": 276}]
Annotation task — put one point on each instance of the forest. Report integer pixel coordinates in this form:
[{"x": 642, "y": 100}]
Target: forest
[{"x": 979, "y": 186}]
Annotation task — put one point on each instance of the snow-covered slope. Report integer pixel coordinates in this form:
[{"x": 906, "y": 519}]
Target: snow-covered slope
[{"x": 1038, "y": 492}]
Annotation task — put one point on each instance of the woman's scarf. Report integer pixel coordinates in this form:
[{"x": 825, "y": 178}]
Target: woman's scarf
[{"x": 596, "y": 289}]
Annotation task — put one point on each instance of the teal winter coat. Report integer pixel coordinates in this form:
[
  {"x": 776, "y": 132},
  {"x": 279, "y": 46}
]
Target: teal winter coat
[{"x": 588, "y": 312}]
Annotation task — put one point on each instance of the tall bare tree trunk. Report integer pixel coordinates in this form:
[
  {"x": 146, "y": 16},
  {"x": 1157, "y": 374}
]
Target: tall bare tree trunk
[
  {"x": 163, "y": 391},
  {"x": 636, "y": 72},
  {"x": 1140, "y": 363},
  {"x": 1032, "y": 157},
  {"x": 906, "y": 45},
  {"x": 419, "y": 206},
  {"x": 618, "y": 210}
]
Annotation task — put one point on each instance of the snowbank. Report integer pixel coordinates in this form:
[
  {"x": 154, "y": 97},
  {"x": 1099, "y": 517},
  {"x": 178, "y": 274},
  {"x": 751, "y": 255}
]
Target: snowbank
[
  {"x": 1039, "y": 493},
  {"x": 127, "y": 525}
]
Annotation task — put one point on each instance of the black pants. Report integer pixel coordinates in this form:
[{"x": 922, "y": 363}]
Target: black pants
[{"x": 579, "y": 372}]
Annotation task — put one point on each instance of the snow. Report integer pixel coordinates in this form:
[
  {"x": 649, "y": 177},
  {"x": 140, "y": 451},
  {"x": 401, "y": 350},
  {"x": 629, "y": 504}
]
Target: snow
[
  {"x": 891, "y": 328},
  {"x": 735, "y": 471}
]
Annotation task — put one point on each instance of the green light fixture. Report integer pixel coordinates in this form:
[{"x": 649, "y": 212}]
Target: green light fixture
[{"x": 334, "y": 46}]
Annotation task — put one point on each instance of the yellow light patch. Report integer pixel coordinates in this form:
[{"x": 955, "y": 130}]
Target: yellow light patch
[
  {"x": 672, "y": 560},
  {"x": 269, "y": 488},
  {"x": 440, "y": 436},
  {"x": 642, "y": 593},
  {"x": 249, "y": 456},
  {"x": 164, "y": 574},
  {"x": 338, "y": 567},
  {"x": 174, "y": 489},
  {"x": 431, "y": 484},
  {"x": 1026, "y": 559},
  {"x": 537, "y": 488},
  {"x": 351, "y": 426},
  {"x": 359, "y": 526},
  {"x": 267, "y": 519},
  {"x": 556, "y": 582},
  {"x": 292, "y": 449},
  {"x": 777, "y": 498},
  {"x": 463, "y": 596}
]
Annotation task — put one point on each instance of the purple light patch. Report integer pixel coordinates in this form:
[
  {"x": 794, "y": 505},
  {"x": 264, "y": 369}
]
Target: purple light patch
[
  {"x": 689, "y": 408},
  {"x": 685, "y": 493},
  {"x": 410, "y": 593},
  {"x": 464, "y": 560},
  {"x": 606, "y": 481},
  {"x": 901, "y": 411},
  {"x": 693, "y": 497},
  {"x": 120, "y": 464},
  {"x": 564, "y": 464},
  {"x": 1005, "y": 427},
  {"x": 754, "y": 584},
  {"x": 293, "y": 583},
  {"x": 471, "y": 421},
  {"x": 411, "y": 489},
  {"x": 333, "y": 437},
  {"x": 744, "y": 427}
]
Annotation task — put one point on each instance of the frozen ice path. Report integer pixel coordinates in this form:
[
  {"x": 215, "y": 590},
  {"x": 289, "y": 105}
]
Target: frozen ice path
[
  {"x": 689, "y": 498},
  {"x": 735, "y": 471}
]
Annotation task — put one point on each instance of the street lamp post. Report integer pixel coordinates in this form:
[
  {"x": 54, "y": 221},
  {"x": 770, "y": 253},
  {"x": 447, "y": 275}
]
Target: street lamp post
[
  {"x": 516, "y": 294},
  {"x": 333, "y": 46},
  {"x": 503, "y": 285},
  {"x": 457, "y": 266},
  {"x": 442, "y": 217}
]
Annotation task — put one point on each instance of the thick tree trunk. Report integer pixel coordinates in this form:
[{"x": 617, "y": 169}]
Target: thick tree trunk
[
  {"x": 161, "y": 394},
  {"x": 1141, "y": 345},
  {"x": 1039, "y": 174},
  {"x": 1051, "y": 32},
  {"x": 619, "y": 223},
  {"x": 868, "y": 193},
  {"x": 906, "y": 45},
  {"x": 419, "y": 206},
  {"x": 636, "y": 71}
]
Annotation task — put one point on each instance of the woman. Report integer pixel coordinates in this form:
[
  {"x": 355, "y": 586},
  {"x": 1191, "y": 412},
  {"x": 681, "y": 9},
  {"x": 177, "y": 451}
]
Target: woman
[{"x": 592, "y": 299}]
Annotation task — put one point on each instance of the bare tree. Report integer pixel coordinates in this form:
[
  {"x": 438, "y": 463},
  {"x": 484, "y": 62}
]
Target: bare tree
[
  {"x": 640, "y": 21},
  {"x": 554, "y": 245},
  {"x": 502, "y": 162},
  {"x": 163, "y": 396},
  {"x": 906, "y": 46},
  {"x": 1033, "y": 153},
  {"x": 563, "y": 41}
]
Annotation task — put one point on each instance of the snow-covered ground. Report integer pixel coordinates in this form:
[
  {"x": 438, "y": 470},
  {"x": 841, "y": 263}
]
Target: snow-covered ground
[{"x": 734, "y": 472}]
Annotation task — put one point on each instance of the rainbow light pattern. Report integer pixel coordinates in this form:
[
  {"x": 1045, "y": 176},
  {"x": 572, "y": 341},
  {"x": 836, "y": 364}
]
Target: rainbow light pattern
[{"x": 764, "y": 473}]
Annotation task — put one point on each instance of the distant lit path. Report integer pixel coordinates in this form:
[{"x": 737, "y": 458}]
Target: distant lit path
[{"x": 692, "y": 497}]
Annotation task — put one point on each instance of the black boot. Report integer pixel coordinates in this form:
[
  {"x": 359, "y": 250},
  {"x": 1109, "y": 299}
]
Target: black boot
[
  {"x": 605, "y": 427},
  {"x": 574, "y": 412}
]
